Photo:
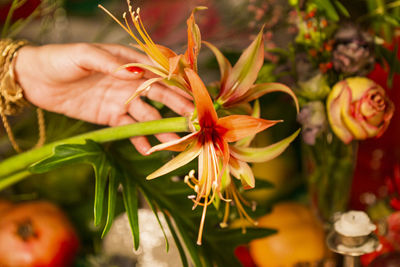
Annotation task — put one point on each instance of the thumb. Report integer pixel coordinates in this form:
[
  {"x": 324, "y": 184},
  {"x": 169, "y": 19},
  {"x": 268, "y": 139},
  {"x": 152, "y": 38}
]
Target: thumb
[{"x": 93, "y": 58}]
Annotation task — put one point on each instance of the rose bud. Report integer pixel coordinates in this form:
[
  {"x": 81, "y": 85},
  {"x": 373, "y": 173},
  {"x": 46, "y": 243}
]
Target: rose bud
[{"x": 358, "y": 108}]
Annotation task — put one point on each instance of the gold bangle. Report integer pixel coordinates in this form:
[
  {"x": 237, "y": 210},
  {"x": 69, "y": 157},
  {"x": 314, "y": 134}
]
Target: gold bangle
[{"x": 12, "y": 100}]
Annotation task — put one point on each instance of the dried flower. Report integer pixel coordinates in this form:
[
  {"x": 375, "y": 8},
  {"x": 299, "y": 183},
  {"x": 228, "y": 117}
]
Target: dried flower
[
  {"x": 353, "y": 51},
  {"x": 312, "y": 117}
]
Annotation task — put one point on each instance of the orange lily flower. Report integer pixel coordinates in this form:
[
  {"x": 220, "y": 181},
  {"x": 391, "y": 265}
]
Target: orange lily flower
[
  {"x": 169, "y": 66},
  {"x": 209, "y": 144},
  {"x": 237, "y": 82}
]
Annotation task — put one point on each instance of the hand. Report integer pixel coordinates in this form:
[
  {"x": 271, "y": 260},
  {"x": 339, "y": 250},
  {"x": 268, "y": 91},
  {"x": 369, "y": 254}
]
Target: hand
[{"x": 81, "y": 81}]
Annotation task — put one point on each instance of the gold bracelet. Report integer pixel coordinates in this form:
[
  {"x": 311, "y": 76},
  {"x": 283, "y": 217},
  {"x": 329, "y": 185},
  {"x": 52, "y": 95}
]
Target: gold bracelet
[{"x": 12, "y": 100}]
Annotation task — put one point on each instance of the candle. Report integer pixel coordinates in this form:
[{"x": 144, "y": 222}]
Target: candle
[{"x": 353, "y": 224}]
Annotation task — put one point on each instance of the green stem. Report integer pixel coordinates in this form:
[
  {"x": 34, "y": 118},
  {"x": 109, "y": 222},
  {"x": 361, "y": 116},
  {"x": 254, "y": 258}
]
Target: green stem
[
  {"x": 21, "y": 161},
  {"x": 14, "y": 178}
]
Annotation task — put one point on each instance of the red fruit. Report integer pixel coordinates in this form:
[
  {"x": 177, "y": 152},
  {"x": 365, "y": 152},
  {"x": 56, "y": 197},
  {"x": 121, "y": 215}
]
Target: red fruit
[
  {"x": 386, "y": 247},
  {"x": 393, "y": 222},
  {"x": 391, "y": 259},
  {"x": 242, "y": 253},
  {"x": 36, "y": 234}
]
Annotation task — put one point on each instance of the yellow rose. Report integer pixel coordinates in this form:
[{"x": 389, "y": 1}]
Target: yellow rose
[{"x": 358, "y": 108}]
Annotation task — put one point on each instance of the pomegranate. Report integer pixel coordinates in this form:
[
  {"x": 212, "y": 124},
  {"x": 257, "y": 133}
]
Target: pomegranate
[{"x": 36, "y": 234}]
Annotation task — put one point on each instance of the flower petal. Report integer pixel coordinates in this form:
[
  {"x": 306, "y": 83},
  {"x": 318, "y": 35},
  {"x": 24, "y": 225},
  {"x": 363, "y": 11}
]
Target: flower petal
[
  {"x": 143, "y": 87},
  {"x": 241, "y": 170},
  {"x": 175, "y": 145},
  {"x": 245, "y": 142},
  {"x": 225, "y": 67},
  {"x": 194, "y": 40},
  {"x": 259, "y": 90},
  {"x": 173, "y": 65},
  {"x": 224, "y": 149},
  {"x": 168, "y": 53},
  {"x": 235, "y": 127},
  {"x": 336, "y": 99},
  {"x": 262, "y": 154},
  {"x": 180, "y": 160},
  {"x": 245, "y": 71},
  {"x": 205, "y": 109},
  {"x": 352, "y": 124}
]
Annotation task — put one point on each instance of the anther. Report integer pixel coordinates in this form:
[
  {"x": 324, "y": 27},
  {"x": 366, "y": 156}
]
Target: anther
[
  {"x": 223, "y": 225},
  {"x": 253, "y": 205},
  {"x": 186, "y": 179}
]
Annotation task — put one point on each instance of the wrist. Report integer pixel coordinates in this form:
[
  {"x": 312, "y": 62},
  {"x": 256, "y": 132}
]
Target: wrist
[{"x": 11, "y": 94}]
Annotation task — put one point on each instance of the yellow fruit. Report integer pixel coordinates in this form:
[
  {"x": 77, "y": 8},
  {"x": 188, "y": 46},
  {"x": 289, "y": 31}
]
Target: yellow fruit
[{"x": 300, "y": 237}]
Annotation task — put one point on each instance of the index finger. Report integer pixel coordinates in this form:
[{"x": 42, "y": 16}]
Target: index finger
[{"x": 176, "y": 102}]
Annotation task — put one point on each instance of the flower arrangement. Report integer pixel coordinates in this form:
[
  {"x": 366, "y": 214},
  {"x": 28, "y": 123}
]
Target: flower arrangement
[
  {"x": 329, "y": 61},
  {"x": 200, "y": 189},
  {"x": 221, "y": 131}
]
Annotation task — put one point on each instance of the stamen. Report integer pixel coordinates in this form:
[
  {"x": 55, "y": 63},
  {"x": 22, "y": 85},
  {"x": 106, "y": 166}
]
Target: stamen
[{"x": 203, "y": 217}]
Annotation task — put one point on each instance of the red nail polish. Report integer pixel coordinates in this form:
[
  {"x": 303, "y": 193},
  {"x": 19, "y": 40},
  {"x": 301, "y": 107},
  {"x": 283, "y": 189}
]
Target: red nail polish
[{"x": 134, "y": 69}]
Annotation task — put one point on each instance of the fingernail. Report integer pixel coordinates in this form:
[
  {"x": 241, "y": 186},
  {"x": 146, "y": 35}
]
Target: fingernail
[{"x": 134, "y": 69}]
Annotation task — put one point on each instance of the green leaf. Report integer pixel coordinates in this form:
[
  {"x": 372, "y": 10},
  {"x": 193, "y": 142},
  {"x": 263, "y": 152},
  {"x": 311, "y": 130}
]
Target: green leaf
[
  {"x": 341, "y": 8},
  {"x": 391, "y": 58},
  {"x": 190, "y": 245},
  {"x": 390, "y": 20},
  {"x": 68, "y": 154},
  {"x": 112, "y": 199},
  {"x": 177, "y": 241},
  {"x": 394, "y": 62},
  {"x": 101, "y": 169},
  {"x": 153, "y": 208},
  {"x": 238, "y": 237},
  {"x": 328, "y": 8},
  {"x": 90, "y": 152},
  {"x": 130, "y": 196}
]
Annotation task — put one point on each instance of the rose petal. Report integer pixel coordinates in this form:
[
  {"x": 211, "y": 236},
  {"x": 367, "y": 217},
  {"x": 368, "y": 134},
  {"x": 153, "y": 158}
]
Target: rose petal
[{"x": 334, "y": 103}]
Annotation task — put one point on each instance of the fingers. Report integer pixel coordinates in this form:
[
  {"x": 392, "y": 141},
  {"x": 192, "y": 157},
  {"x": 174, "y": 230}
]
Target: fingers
[
  {"x": 141, "y": 143},
  {"x": 129, "y": 54},
  {"x": 171, "y": 99},
  {"x": 93, "y": 58},
  {"x": 142, "y": 111}
]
